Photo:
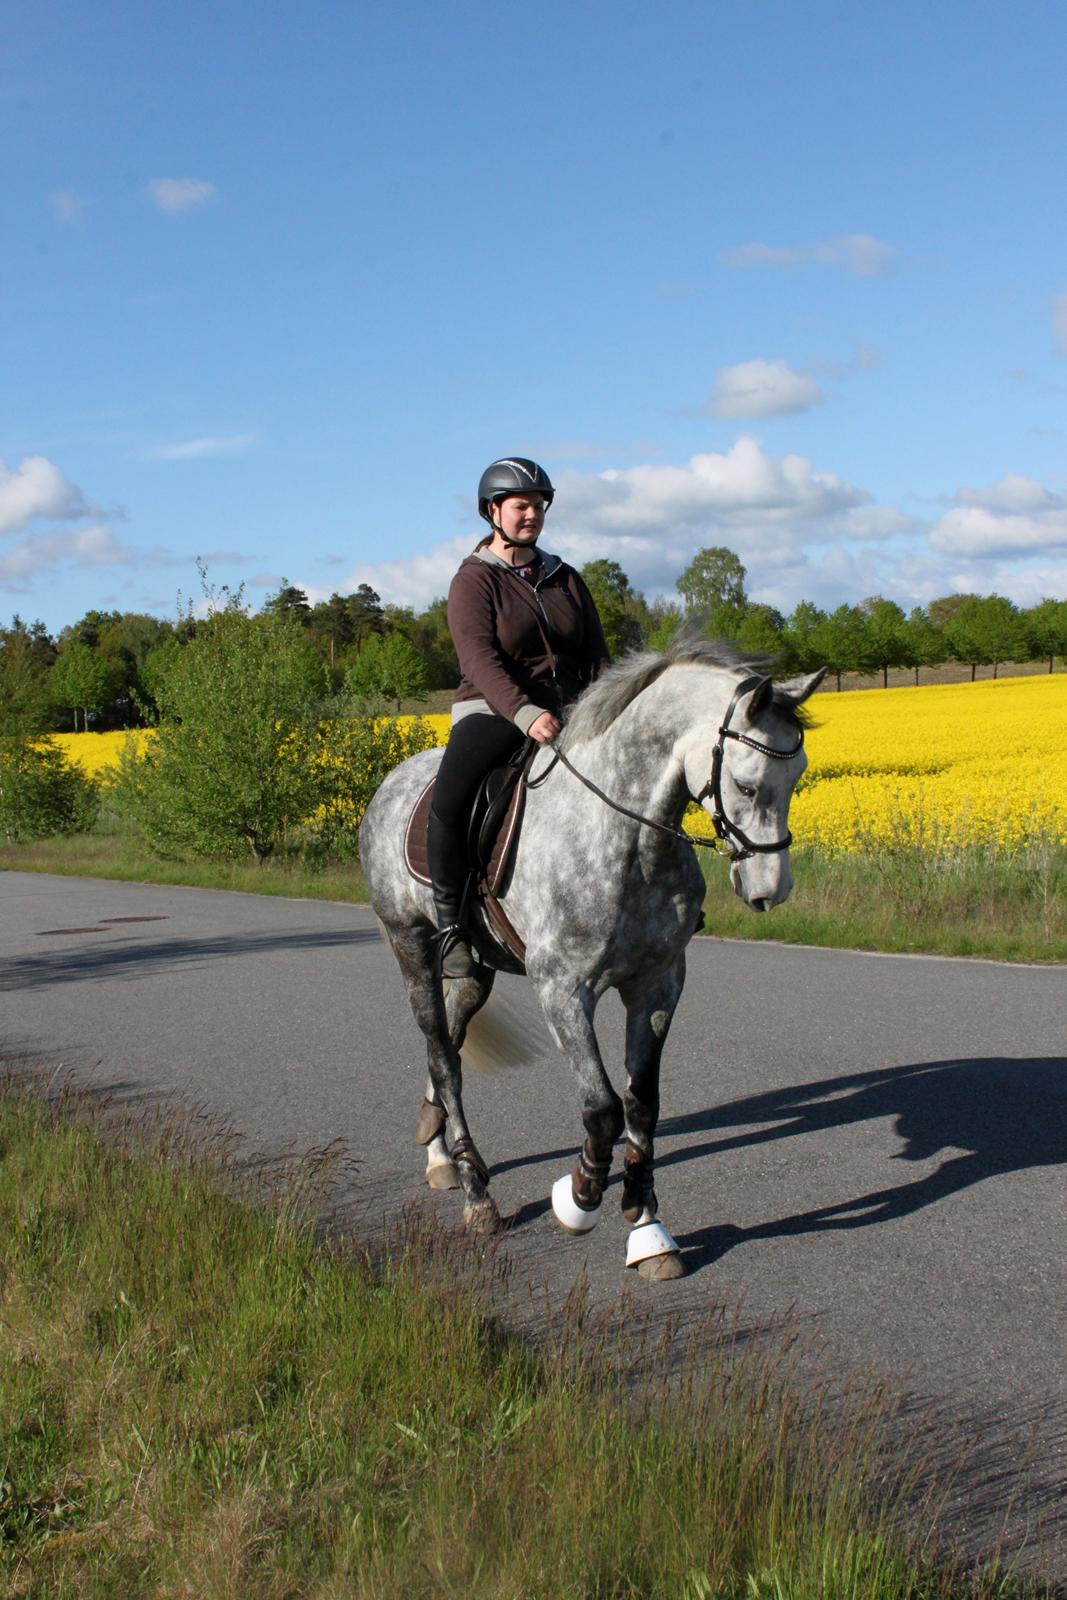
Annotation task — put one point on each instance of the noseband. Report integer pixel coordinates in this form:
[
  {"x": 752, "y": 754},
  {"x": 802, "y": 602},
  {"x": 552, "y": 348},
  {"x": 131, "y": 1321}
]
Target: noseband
[{"x": 739, "y": 847}]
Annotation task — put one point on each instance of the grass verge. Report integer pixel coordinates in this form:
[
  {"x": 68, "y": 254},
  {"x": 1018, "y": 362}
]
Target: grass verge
[
  {"x": 998, "y": 905},
  {"x": 973, "y": 902},
  {"x": 202, "y": 1396}
]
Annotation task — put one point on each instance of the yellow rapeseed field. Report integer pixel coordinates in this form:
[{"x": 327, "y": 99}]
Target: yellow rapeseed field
[
  {"x": 944, "y": 766},
  {"x": 95, "y": 752},
  {"x": 939, "y": 767}
]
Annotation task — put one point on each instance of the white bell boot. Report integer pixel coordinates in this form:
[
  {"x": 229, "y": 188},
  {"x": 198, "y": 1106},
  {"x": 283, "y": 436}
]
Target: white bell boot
[
  {"x": 648, "y": 1239},
  {"x": 569, "y": 1214}
]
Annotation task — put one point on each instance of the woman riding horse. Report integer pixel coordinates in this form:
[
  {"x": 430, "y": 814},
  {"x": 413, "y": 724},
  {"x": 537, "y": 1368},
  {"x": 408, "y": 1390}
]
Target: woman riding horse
[{"x": 529, "y": 640}]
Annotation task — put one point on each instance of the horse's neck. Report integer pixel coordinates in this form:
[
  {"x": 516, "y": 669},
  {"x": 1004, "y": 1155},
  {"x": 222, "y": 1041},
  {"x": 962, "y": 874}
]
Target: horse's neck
[{"x": 634, "y": 760}]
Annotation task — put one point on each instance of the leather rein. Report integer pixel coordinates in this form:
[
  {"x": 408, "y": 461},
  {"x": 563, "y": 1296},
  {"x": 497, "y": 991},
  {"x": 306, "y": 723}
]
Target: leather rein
[{"x": 738, "y": 846}]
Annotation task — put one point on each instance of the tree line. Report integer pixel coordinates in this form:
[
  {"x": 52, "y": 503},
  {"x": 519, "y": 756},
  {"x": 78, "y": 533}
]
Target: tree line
[{"x": 106, "y": 670}]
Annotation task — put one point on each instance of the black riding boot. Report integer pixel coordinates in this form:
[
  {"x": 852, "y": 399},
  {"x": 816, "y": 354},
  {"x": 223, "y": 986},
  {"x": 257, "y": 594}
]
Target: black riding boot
[{"x": 447, "y": 860}]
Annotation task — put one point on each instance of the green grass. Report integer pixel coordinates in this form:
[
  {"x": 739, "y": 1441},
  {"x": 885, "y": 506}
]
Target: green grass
[
  {"x": 973, "y": 902},
  {"x": 998, "y": 905},
  {"x": 104, "y": 854},
  {"x": 201, "y": 1396}
]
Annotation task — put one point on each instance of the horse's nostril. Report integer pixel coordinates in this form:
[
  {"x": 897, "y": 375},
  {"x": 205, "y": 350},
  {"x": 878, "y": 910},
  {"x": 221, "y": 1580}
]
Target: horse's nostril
[{"x": 759, "y": 905}]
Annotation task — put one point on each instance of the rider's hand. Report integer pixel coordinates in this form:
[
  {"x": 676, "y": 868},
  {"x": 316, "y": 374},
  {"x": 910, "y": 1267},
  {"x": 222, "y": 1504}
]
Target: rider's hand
[{"x": 545, "y": 728}]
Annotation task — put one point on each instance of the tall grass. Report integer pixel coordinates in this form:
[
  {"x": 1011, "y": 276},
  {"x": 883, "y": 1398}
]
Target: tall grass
[
  {"x": 201, "y": 1395},
  {"x": 1003, "y": 903}
]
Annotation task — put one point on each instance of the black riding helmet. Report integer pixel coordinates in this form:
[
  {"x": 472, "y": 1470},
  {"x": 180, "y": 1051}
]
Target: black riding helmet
[{"x": 511, "y": 475}]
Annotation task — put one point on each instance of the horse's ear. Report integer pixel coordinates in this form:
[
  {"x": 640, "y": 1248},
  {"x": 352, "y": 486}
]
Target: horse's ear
[
  {"x": 761, "y": 698},
  {"x": 798, "y": 689}
]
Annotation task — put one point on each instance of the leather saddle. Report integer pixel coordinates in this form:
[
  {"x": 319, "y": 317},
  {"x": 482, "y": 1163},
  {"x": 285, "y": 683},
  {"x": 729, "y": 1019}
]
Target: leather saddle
[{"x": 492, "y": 833}]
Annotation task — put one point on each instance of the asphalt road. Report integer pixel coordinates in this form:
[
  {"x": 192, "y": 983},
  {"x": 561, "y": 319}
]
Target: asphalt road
[{"x": 868, "y": 1150}]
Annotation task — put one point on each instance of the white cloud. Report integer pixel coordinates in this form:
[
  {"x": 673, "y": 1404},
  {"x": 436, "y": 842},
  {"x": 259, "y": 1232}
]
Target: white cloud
[
  {"x": 761, "y": 389},
  {"x": 194, "y": 449},
  {"x": 37, "y": 489},
  {"x": 68, "y": 205},
  {"x": 95, "y": 546},
  {"x": 1013, "y": 516},
  {"x": 415, "y": 581},
  {"x": 180, "y": 194},
  {"x": 1059, "y": 320},
  {"x": 653, "y": 518},
  {"x": 858, "y": 253}
]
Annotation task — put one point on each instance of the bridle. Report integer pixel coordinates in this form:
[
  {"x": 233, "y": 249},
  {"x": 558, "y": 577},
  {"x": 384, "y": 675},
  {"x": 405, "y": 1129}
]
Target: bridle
[
  {"x": 726, "y": 830},
  {"x": 738, "y": 846}
]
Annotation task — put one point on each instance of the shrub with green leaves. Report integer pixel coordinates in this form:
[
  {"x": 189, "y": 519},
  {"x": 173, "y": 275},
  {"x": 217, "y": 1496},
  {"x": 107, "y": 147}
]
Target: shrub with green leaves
[
  {"x": 248, "y": 755},
  {"x": 41, "y": 793},
  {"x": 355, "y": 754},
  {"x": 231, "y": 768}
]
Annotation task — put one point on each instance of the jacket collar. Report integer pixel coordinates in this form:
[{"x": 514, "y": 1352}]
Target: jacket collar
[{"x": 550, "y": 562}]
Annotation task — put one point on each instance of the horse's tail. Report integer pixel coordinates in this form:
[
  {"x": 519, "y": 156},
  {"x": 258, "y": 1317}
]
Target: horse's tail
[{"x": 509, "y": 1031}]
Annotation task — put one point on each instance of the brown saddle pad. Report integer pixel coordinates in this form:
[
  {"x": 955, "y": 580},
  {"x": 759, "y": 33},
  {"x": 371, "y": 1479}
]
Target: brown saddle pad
[{"x": 492, "y": 873}]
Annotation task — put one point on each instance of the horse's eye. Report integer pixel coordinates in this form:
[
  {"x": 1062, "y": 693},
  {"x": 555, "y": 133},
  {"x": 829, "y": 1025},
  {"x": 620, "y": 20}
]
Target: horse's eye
[{"x": 747, "y": 790}]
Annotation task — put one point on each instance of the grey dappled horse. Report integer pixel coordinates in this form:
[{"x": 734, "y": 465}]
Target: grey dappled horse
[{"x": 602, "y": 901}]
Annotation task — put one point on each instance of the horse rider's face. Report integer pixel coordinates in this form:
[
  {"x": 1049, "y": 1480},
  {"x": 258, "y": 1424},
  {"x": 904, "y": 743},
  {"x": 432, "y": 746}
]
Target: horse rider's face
[{"x": 521, "y": 517}]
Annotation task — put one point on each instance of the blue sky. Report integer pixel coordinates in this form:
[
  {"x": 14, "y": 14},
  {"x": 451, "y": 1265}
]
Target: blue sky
[{"x": 276, "y": 284}]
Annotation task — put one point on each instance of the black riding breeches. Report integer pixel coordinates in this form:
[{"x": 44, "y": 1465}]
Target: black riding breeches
[{"x": 478, "y": 743}]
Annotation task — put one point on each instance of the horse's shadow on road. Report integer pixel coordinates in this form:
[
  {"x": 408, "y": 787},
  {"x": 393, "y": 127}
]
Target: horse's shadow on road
[{"x": 989, "y": 1115}]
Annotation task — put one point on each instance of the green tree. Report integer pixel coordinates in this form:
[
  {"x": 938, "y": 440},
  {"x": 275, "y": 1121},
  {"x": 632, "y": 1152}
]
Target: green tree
[
  {"x": 365, "y": 610},
  {"x": 81, "y": 681},
  {"x": 289, "y": 602},
  {"x": 433, "y": 640},
  {"x": 942, "y": 610},
  {"x": 715, "y": 577},
  {"x": 887, "y": 635},
  {"x": 330, "y": 625},
  {"x": 387, "y": 668},
  {"x": 984, "y": 630},
  {"x": 801, "y": 638},
  {"x": 927, "y": 646},
  {"x": 759, "y": 630},
  {"x": 125, "y": 645},
  {"x": 231, "y": 768},
  {"x": 41, "y": 793},
  {"x": 841, "y": 642},
  {"x": 618, "y": 604},
  {"x": 664, "y": 620},
  {"x": 1046, "y": 624},
  {"x": 25, "y": 705}
]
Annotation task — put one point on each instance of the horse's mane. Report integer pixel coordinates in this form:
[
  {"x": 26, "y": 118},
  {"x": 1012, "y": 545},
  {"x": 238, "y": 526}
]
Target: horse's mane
[{"x": 597, "y": 707}]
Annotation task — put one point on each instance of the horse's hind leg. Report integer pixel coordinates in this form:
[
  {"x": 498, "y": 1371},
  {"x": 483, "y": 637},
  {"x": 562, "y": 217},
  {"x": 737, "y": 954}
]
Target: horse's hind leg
[
  {"x": 414, "y": 953},
  {"x": 649, "y": 1006},
  {"x": 465, "y": 997}
]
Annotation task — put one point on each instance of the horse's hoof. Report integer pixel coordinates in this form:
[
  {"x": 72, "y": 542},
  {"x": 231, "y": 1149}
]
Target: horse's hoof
[
  {"x": 481, "y": 1216},
  {"x": 442, "y": 1175},
  {"x": 659, "y": 1268}
]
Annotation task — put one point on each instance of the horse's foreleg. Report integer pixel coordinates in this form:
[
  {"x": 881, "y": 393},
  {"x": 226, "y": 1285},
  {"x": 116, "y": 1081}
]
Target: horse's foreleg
[
  {"x": 576, "y": 1198},
  {"x": 444, "y": 1098},
  {"x": 649, "y": 1006},
  {"x": 465, "y": 997}
]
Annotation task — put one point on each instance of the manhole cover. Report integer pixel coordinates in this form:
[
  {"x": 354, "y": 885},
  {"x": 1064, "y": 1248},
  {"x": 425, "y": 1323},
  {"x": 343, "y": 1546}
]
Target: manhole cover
[{"x": 134, "y": 919}]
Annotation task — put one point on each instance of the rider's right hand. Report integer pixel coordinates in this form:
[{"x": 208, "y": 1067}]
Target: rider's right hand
[{"x": 545, "y": 728}]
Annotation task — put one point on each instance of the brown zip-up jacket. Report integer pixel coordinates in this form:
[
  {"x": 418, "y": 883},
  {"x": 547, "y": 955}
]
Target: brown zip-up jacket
[{"x": 523, "y": 648}]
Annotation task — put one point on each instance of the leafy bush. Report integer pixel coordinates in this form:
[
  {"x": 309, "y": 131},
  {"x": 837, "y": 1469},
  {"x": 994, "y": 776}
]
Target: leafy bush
[
  {"x": 42, "y": 794},
  {"x": 246, "y": 756},
  {"x": 231, "y": 768},
  {"x": 354, "y": 755}
]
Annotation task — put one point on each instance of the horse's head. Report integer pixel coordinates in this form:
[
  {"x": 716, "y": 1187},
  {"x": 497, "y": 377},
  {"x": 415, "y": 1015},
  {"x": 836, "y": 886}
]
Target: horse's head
[{"x": 756, "y": 756}]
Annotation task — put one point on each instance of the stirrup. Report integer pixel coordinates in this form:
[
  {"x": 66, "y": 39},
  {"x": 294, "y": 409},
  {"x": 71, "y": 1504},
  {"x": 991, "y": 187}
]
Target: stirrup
[{"x": 454, "y": 955}]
